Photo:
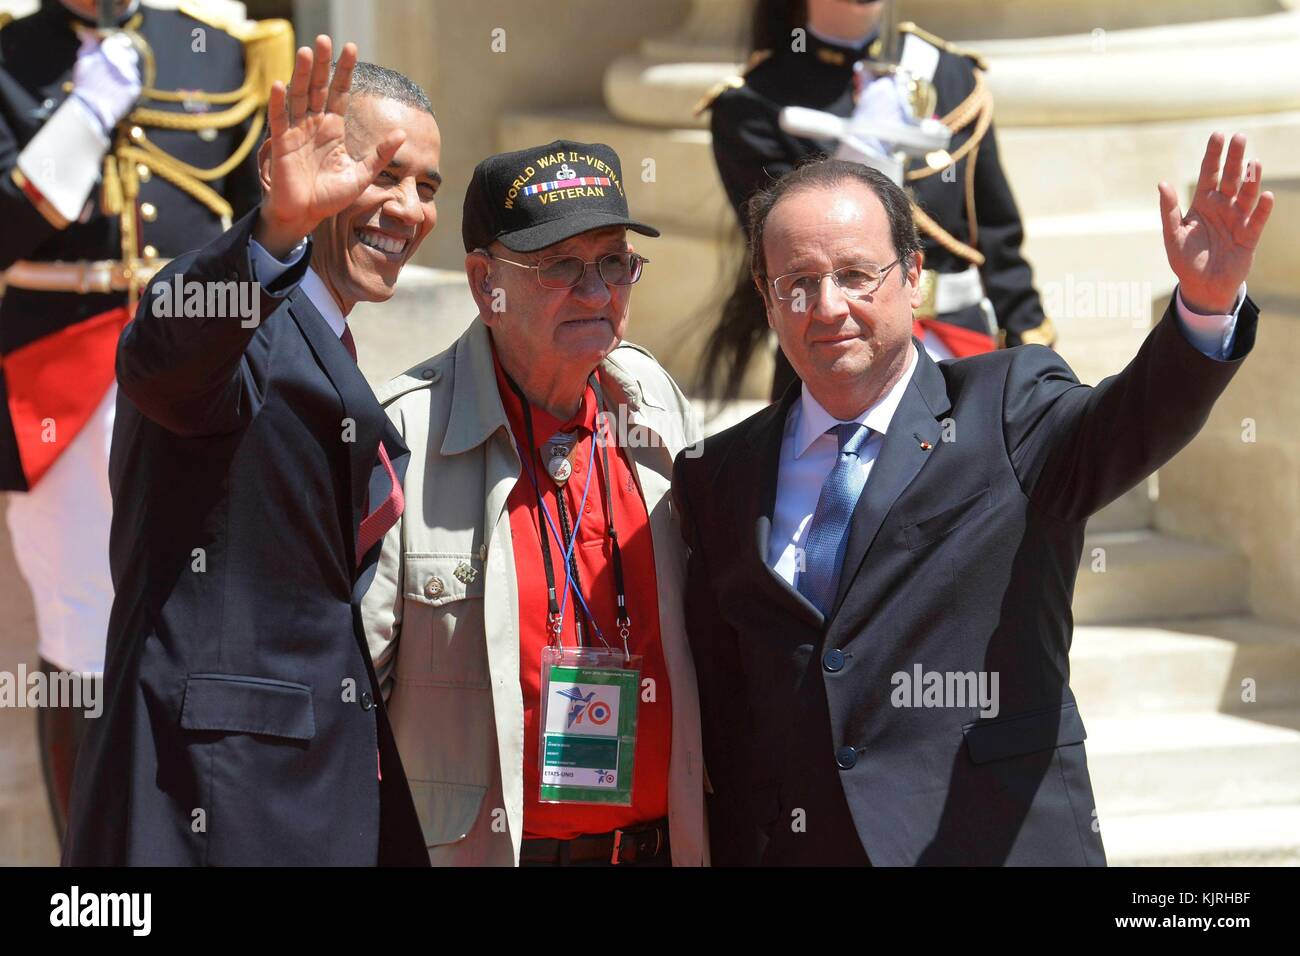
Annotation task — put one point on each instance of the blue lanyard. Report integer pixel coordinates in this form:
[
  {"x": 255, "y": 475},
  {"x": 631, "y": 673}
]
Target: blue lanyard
[
  {"x": 555, "y": 614},
  {"x": 569, "y": 583}
]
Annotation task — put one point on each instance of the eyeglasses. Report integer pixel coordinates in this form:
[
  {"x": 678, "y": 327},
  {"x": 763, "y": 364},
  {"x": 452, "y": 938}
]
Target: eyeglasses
[
  {"x": 856, "y": 281},
  {"x": 564, "y": 272}
]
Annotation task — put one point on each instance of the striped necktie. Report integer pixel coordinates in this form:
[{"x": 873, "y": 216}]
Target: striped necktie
[{"x": 377, "y": 522}]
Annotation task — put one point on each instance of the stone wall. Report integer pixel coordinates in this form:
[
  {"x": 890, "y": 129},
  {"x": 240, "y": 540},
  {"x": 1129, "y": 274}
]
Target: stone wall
[{"x": 1238, "y": 483}]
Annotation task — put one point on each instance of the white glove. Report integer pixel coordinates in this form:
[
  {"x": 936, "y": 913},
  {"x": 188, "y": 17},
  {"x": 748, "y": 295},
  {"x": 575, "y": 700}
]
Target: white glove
[
  {"x": 881, "y": 103},
  {"x": 106, "y": 79}
]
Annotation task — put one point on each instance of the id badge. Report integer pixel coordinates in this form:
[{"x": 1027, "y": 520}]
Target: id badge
[{"x": 588, "y": 720}]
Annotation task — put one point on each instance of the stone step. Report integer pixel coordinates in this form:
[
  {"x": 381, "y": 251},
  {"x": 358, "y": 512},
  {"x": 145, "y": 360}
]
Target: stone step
[
  {"x": 681, "y": 188},
  {"x": 1131, "y": 511},
  {"x": 1117, "y": 166},
  {"x": 1241, "y": 836},
  {"x": 1143, "y": 575},
  {"x": 1166, "y": 763},
  {"x": 428, "y": 311},
  {"x": 1184, "y": 666}
]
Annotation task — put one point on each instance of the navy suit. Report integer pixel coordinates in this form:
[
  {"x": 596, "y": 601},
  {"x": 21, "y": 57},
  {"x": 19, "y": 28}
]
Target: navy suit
[
  {"x": 238, "y": 682},
  {"x": 961, "y": 558}
]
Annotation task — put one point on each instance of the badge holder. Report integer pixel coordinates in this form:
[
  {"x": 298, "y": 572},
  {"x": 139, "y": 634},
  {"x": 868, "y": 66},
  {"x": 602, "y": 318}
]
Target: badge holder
[{"x": 589, "y": 721}]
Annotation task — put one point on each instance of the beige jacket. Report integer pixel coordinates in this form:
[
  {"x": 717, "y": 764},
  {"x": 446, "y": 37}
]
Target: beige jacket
[{"x": 442, "y": 615}]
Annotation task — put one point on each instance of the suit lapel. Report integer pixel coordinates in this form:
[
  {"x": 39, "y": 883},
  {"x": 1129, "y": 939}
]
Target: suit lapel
[
  {"x": 913, "y": 433},
  {"x": 360, "y": 407},
  {"x": 760, "y": 454}
]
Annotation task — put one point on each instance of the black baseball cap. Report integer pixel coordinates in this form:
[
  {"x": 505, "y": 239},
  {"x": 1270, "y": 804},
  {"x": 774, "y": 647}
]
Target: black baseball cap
[{"x": 533, "y": 198}]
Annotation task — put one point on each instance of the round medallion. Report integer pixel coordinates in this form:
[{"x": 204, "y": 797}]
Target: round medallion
[{"x": 559, "y": 468}]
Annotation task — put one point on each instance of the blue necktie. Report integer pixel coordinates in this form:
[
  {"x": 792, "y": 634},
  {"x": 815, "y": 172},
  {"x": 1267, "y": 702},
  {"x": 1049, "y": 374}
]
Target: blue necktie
[{"x": 828, "y": 534}]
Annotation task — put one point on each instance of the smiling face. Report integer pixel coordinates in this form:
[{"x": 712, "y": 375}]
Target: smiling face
[
  {"x": 848, "y": 351},
  {"x": 359, "y": 252},
  {"x": 562, "y": 328}
]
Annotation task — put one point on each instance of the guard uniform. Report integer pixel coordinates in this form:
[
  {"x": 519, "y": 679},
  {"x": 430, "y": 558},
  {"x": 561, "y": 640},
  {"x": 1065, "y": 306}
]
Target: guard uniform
[
  {"x": 170, "y": 178},
  {"x": 975, "y": 276}
]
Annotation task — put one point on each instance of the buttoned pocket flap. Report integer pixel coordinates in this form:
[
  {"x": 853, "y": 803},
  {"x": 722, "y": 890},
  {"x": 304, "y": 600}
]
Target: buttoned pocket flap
[
  {"x": 438, "y": 579},
  {"x": 242, "y": 704},
  {"x": 447, "y": 811},
  {"x": 1002, "y": 737}
]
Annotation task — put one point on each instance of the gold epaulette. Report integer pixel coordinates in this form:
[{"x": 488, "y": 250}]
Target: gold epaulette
[
  {"x": 943, "y": 44},
  {"x": 6, "y": 18},
  {"x": 268, "y": 52},
  {"x": 733, "y": 82},
  {"x": 1042, "y": 334},
  {"x": 268, "y": 56}
]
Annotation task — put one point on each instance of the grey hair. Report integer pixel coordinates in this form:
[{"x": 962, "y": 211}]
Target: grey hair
[
  {"x": 368, "y": 79},
  {"x": 371, "y": 80}
]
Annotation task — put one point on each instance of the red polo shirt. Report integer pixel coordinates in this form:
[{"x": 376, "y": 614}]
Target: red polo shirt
[{"x": 595, "y": 568}]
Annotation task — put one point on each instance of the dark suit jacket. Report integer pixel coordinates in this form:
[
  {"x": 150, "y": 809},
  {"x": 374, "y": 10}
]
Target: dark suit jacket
[
  {"x": 243, "y": 723},
  {"x": 960, "y": 559}
]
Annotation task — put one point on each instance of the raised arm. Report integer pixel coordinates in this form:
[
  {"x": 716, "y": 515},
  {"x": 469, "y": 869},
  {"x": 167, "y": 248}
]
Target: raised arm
[
  {"x": 192, "y": 374},
  {"x": 1076, "y": 448}
]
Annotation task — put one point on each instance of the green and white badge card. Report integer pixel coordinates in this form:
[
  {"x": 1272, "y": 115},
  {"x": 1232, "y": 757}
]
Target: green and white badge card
[{"x": 589, "y": 711}]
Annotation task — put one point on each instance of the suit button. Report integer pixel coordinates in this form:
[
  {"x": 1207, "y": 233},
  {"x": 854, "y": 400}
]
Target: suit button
[
  {"x": 846, "y": 757},
  {"x": 833, "y": 660},
  {"x": 366, "y": 700},
  {"x": 433, "y": 587}
]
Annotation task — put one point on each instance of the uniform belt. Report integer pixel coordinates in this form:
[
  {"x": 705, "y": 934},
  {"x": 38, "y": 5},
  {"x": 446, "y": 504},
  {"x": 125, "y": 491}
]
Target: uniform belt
[
  {"x": 945, "y": 292},
  {"x": 83, "y": 278},
  {"x": 637, "y": 844}
]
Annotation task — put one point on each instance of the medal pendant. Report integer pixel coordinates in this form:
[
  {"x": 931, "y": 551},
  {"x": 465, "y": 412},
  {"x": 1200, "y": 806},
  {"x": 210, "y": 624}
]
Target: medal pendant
[
  {"x": 559, "y": 469},
  {"x": 558, "y": 449}
]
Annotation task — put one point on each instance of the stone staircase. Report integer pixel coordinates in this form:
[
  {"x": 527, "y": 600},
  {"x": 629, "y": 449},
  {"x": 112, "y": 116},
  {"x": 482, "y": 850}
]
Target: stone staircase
[{"x": 1185, "y": 771}]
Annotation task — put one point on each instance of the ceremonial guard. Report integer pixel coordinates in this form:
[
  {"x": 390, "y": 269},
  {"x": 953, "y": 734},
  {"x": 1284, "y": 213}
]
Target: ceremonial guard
[
  {"x": 822, "y": 54},
  {"x": 128, "y": 135}
]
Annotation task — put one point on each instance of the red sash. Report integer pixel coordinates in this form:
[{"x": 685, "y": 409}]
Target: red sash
[
  {"x": 55, "y": 385},
  {"x": 959, "y": 341}
]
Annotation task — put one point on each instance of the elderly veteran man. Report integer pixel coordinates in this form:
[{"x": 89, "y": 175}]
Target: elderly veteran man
[{"x": 526, "y": 615}]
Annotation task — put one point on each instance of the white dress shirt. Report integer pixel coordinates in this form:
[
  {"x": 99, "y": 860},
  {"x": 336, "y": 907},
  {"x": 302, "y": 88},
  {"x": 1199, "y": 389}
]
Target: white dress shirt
[{"x": 808, "y": 453}]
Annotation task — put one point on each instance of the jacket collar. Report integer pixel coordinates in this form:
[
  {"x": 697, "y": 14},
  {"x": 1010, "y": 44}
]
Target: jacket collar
[
  {"x": 914, "y": 423},
  {"x": 814, "y": 420}
]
